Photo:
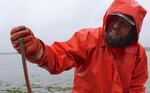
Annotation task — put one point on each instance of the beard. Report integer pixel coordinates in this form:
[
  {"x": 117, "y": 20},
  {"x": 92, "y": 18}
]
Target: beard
[{"x": 120, "y": 41}]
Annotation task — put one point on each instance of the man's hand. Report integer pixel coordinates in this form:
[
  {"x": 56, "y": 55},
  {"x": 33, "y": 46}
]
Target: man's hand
[{"x": 31, "y": 43}]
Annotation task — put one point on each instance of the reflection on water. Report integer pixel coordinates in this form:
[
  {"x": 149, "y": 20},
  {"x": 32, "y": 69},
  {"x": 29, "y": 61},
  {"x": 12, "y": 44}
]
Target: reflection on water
[{"x": 12, "y": 79}]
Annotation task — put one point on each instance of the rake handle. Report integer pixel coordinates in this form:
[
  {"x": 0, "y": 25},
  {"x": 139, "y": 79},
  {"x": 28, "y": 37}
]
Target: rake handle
[{"x": 22, "y": 51}]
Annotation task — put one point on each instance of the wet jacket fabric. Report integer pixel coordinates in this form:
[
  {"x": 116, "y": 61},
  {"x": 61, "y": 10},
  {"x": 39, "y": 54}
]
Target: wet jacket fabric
[{"x": 98, "y": 67}]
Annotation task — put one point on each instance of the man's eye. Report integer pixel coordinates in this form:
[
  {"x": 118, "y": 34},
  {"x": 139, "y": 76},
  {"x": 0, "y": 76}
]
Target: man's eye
[{"x": 123, "y": 23}]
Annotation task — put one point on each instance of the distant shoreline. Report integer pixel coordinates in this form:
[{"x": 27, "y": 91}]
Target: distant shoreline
[
  {"x": 9, "y": 53},
  {"x": 147, "y": 48}
]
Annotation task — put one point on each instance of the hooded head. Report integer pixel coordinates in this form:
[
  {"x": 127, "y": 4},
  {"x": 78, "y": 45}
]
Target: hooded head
[{"x": 129, "y": 10}]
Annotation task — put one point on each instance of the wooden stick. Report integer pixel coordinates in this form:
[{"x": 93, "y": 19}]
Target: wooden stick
[{"x": 22, "y": 51}]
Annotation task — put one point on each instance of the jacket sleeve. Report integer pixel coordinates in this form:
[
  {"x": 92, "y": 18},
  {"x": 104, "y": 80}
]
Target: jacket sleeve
[
  {"x": 140, "y": 73},
  {"x": 61, "y": 56}
]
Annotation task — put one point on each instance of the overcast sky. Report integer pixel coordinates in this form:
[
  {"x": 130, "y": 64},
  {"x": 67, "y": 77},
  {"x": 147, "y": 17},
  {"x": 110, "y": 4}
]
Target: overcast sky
[{"x": 57, "y": 20}]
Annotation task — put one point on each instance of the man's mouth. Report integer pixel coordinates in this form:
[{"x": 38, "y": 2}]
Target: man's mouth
[{"x": 113, "y": 34}]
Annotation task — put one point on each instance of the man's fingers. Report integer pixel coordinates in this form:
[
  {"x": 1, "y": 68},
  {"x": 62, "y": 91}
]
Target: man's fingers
[
  {"x": 16, "y": 29},
  {"x": 25, "y": 46},
  {"x": 19, "y": 34},
  {"x": 25, "y": 40},
  {"x": 31, "y": 44}
]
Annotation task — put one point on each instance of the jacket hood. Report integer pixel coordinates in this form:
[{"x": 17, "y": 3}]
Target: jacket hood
[{"x": 127, "y": 7}]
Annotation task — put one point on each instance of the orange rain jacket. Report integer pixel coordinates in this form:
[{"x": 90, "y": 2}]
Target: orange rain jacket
[{"x": 98, "y": 67}]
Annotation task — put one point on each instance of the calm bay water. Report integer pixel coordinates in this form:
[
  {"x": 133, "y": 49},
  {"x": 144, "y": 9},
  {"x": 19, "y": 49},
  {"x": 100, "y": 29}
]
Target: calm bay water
[{"x": 12, "y": 79}]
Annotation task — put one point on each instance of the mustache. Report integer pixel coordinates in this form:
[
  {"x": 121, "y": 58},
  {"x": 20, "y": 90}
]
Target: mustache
[{"x": 118, "y": 42}]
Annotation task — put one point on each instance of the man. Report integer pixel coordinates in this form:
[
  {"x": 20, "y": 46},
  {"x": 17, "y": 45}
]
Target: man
[{"x": 106, "y": 60}]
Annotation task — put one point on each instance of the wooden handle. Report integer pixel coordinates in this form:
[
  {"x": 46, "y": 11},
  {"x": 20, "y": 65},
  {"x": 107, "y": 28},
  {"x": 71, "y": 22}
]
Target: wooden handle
[{"x": 22, "y": 51}]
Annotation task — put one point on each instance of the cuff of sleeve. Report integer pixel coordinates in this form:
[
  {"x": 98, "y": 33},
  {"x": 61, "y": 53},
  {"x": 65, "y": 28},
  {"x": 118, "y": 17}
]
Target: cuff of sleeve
[
  {"x": 39, "y": 56},
  {"x": 47, "y": 59}
]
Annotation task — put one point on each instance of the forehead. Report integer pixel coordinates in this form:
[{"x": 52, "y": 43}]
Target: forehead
[
  {"x": 117, "y": 18},
  {"x": 121, "y": 23}
]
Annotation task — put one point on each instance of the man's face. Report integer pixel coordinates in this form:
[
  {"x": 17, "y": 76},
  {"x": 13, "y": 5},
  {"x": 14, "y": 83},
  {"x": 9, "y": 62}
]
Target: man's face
[{"x": 117, "y": 30}]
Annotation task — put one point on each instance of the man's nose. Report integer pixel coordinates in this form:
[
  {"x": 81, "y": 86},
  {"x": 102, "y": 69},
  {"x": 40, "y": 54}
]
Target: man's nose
[{"x": 116, "y": 25}]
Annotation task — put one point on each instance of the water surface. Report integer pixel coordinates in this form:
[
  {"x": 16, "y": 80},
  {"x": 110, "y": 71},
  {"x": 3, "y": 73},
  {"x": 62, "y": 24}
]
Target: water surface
[{"x": 12, "y": 79}]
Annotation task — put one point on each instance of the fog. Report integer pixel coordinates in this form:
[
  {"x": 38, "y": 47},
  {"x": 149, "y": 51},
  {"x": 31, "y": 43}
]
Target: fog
[{"x": 57, "y": 20}]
